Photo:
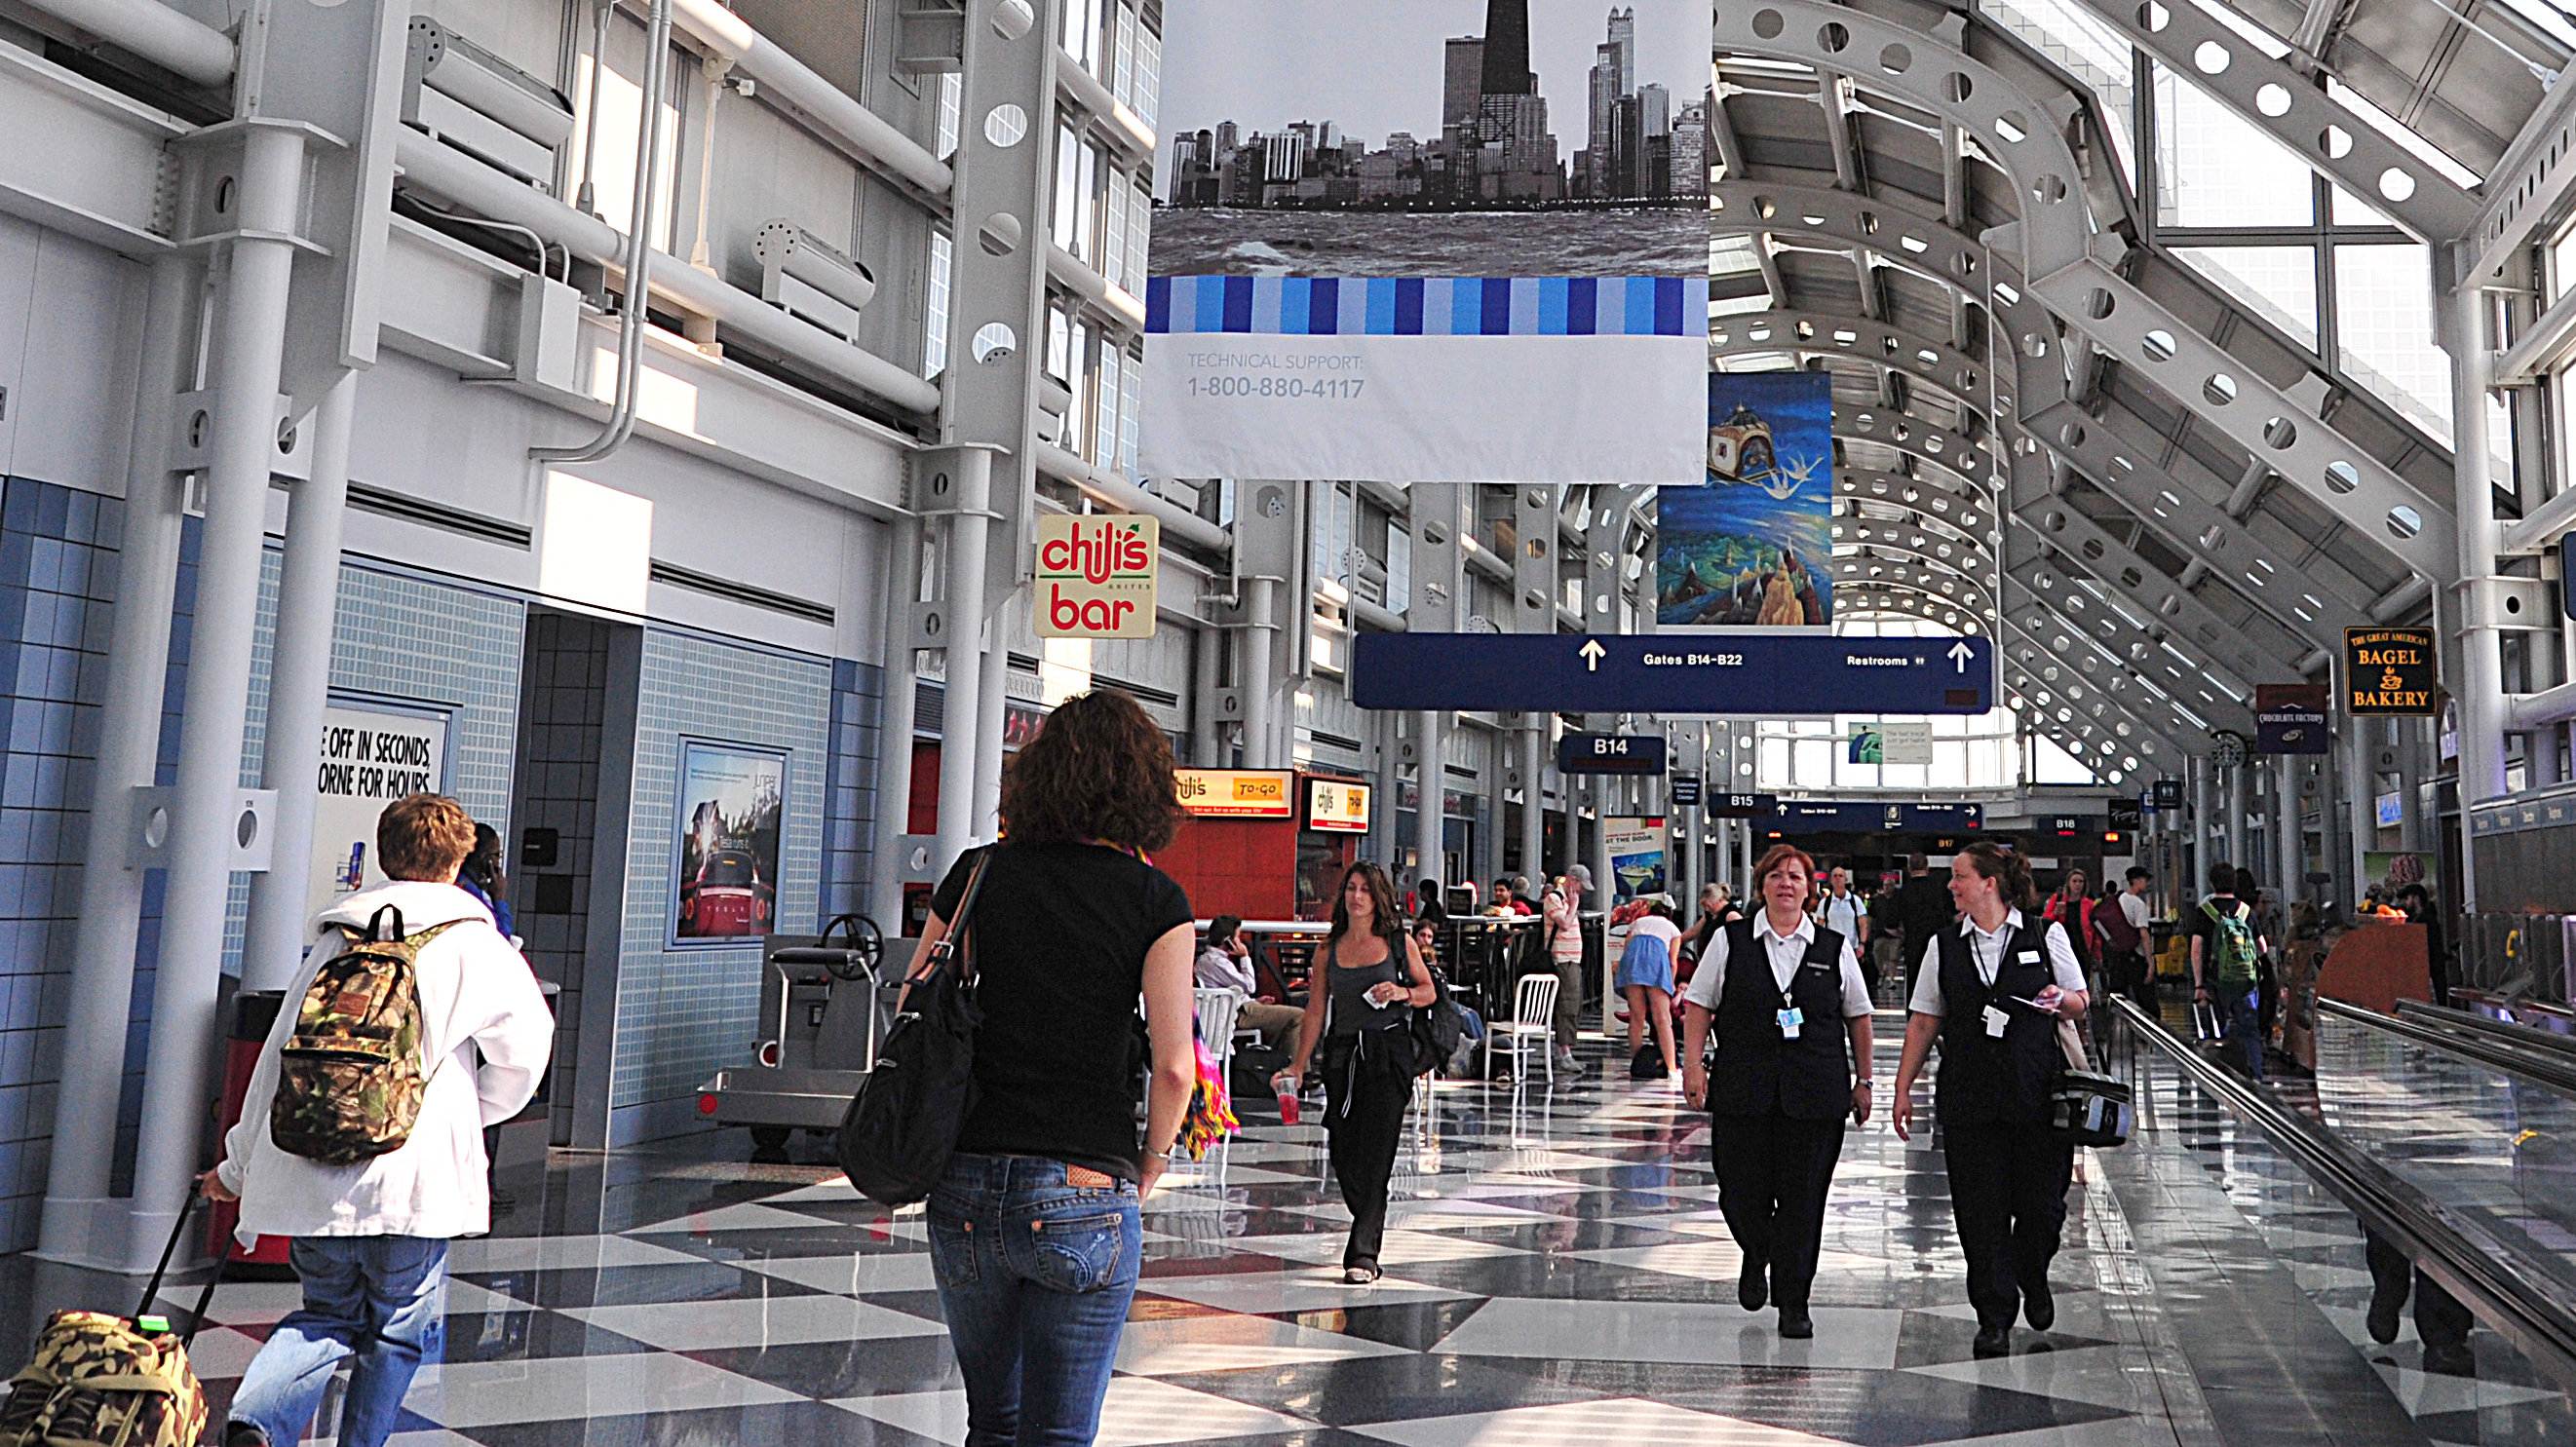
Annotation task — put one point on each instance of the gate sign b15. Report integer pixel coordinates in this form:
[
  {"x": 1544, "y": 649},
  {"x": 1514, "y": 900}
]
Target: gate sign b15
[
  {"x": 1610, "y": 754},
  {"x": 1096, "y": 576},
  {"x": 2389, "y": 671}
]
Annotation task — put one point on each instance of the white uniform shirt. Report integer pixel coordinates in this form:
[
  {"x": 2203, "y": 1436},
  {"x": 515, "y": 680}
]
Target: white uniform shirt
[
  {"x": 1843, "y": 914},
  {"x": 1987, "y": 950},
  {"x": 1784, "y": 953}
]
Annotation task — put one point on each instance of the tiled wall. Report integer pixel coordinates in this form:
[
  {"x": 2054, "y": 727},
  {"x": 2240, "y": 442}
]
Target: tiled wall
[
  {"x": 57, "y": 585},
  {"x": 682, "y": 1013},
  {"x": 850, "y": 791},
  {"x": 563, "y": 704}
]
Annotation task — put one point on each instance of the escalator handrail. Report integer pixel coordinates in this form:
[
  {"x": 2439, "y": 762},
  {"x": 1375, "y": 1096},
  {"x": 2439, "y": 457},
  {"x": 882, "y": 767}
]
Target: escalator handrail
[
  {"x": 2468, "y": 1263},
  {"x": 2544, "y": 1068},
  {"x": 2505, "y": 1032}
]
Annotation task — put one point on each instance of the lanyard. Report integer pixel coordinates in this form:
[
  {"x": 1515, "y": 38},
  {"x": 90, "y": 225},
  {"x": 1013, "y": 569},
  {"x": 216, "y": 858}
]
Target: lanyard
[
  {"x": 1130, "y": 850},
  {"x": 1986, "y": 973}
]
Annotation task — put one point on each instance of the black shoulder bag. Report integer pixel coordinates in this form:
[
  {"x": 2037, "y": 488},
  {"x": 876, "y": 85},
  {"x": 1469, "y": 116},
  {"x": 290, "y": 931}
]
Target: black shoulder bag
[{"x": 901, "y": 1128}]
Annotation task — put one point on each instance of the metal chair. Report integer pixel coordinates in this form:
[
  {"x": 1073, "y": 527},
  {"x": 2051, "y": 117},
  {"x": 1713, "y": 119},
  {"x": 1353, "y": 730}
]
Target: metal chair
[{"x": 1533, "y": 1017}]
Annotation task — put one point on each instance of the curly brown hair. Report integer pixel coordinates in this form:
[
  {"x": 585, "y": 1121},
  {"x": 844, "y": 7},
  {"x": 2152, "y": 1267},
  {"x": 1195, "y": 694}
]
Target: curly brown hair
[{"x": 1099, "y": 769}]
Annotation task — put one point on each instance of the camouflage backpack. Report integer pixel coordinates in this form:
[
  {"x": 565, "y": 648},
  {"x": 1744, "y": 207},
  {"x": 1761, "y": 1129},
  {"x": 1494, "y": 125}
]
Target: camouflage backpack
[
  {"x": 100, "y": 1380},
  {"x": 349, "y": 1079}
]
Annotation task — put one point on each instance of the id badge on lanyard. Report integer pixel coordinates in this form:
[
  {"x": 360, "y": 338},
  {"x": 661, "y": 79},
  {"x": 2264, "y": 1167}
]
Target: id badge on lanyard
[{"x": 1790, "y": 1020}]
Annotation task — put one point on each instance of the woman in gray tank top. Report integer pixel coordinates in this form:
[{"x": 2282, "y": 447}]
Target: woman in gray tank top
[{"x": 1367, "y": 981}]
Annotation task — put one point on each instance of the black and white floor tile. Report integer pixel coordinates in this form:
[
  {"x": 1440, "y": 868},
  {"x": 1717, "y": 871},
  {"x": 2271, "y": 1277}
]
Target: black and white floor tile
[{"x": 1557, "y": 1273}]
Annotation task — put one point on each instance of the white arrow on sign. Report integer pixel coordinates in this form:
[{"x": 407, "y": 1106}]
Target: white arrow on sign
[
  {"x": 1960, "y": 653},
  {"x": 1592, "y": 653}
]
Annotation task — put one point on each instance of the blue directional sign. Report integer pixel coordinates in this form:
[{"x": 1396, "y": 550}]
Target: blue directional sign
[
  {"x": 1733, "y": 674},
  {"x": 1610, "y": 754},
  {"x": 1816, "y": 817}
]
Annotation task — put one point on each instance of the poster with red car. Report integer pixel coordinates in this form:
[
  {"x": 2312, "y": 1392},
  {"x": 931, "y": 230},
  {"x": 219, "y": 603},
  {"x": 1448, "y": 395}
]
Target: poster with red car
[{"x": 729, "y": 800}]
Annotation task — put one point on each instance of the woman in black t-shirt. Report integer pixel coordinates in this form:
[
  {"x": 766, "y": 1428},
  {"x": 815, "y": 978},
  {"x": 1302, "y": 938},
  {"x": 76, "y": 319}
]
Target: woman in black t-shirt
[
  {"x": 1368, "y": 968},
  {"x": 1072, "y": 924}
]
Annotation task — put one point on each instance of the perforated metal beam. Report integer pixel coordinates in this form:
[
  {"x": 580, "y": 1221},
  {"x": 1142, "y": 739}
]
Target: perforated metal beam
[
  {"x": 2042, "y": 597},
  {"x": 1928, "y": 359},
  {"x": 2277, "y": 100}
]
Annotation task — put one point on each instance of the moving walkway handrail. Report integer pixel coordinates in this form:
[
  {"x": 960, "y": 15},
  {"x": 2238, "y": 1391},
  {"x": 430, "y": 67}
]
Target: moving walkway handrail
[
  {"x": 2469, "y": 1263},
  {"x": 2504, "y": 1032},
  {"x": 2544, "y": 1066}
]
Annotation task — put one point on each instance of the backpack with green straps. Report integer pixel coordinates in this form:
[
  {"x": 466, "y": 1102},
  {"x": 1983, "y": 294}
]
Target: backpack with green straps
[{"x": 2234, "y": 943}]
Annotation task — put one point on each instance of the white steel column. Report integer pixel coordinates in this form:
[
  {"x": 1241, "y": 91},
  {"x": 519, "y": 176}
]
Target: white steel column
[
  {"x": 963, "y": 588},
  {"x": 1205, "y": 644},
  {"x": 1602, "y": 791},
  {"x": 2292, "y": 853},
  {"x": 299, "y": 688},
  {"x": 1533, "y": 806},
  {"x": 2480, "y": 668},
  {"x": 992, "y": 704},
  {"x": 248, "y": 356},
  {"x": 1253, "y": 669},
  {"x": 897, "y": 704},
  {"x": 2412, "y": 755},
  {"x": 1427, "y": 812},
  {"x": 2233, "y": 812},
  {"x": 82, "y": 1223}
]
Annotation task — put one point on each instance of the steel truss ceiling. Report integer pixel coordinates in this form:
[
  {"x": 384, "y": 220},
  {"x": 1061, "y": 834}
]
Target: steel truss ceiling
[{"x": 2189, "y": 511}]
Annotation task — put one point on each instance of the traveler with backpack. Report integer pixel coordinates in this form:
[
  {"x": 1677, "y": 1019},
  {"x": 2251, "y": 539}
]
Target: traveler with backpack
[
  {"x": 2227, "y": 964},
  {"x": 1368, "y": 981},
  {"x": 1784, "y": 995},
  {"x": 1646, "y": 978},
  {"x": 1035, "y": 1240},
  {"x": 1994, "y": 990},
  {"x": 2122, "y": 923},
  {"x": 370, "y": 1165}
]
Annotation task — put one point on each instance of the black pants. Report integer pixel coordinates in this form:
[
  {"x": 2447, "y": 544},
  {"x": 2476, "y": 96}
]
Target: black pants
[
  {"x": 2440, "y": 1319},
  {"x": 1773, "y": 1172},
  {"x": 2132, "y": 975},
  {"x": 2008, "y": 1190},
  {"x": 1366, "y": 1090}
]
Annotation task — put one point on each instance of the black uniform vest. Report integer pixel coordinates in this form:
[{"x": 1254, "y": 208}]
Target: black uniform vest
[
  {"x": 1984, "y": 1079},
  {"x": 1756, "y": 1071}
]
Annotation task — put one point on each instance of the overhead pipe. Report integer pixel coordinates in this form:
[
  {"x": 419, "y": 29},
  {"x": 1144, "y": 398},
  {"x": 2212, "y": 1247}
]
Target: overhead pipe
[
  {"x": 431, "y": 164},
  {"x": 858, "y": 128},
  {"x": 153, "y": 31},
  {"x": 634, "y": 311},
  {"x": 1178, "y": 523}
]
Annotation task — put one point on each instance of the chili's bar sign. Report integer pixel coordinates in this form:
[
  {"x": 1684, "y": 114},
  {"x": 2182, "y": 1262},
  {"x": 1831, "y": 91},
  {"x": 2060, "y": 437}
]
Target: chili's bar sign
[{"x": 2389, "y": 671}]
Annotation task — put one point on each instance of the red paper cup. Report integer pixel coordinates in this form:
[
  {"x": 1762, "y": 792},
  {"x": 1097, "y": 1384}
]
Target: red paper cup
[{"x": 1287, "y": 1107}]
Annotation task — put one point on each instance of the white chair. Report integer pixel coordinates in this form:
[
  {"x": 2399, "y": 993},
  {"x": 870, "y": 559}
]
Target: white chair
[
  {"x": 1533, "y": 1018},
  {"x": 1217, "y": 1013}
]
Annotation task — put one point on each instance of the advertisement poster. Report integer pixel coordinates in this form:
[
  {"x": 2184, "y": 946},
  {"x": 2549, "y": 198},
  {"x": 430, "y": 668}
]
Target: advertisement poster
[
  {"x": 367, "y": 758},
  {"x": 1890, "y": 742},
  {"x": 1096, "y": 576},
  {"x": 1636, "y": 856},
  {"x": 1381, "y": 230},
  {"x": 729, "y": 805},
  {"x": 2392, "y": 870},
  {"x": 2290, "y": 718},
  {"x": 1754, "y": 546}
]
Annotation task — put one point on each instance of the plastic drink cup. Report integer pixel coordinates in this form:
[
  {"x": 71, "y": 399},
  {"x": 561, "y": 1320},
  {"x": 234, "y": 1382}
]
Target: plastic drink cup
[{"x": 1287, "y": 1107}]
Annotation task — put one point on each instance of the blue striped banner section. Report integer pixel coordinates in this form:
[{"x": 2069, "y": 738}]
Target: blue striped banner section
[{"x": 1441, "y": 306}]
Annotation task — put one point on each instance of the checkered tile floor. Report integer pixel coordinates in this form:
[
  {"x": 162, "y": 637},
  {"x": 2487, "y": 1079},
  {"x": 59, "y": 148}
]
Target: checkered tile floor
[{"x": 1557, "y": 1272}]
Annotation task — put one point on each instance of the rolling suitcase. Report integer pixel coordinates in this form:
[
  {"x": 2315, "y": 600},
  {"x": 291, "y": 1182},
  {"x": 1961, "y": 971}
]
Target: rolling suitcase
[{"x": 101, "y": 1380}]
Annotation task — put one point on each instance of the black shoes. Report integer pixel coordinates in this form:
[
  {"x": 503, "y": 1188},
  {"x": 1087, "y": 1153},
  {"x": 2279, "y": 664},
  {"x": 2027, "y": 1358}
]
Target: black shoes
[
  {"x": 1993, "y": 1341},
  {"x": 2037, "y": 1306},
  {"x": 2384, "y": 1307},
  {"x": 1753, "y": 1284},
  {"x": 1795, "y": 1324},
  {"x": 2452, "y": 1361}
]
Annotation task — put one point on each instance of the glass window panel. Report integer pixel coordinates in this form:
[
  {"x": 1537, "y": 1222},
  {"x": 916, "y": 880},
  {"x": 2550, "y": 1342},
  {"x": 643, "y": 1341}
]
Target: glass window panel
[
  {"x": 1068, "y": 183},
  {"x": 1076, "y": 413},
  {"x": 1104, "y": 449},
  {"x": 952, "y": 93},
  {"x": 2089, "y": 49},
  {"x": 2351, "y": 210},
  {"x": 2050, "y": 764},
  {"x": 1132, "y": 380},
  {"x": 2215, "y": 170},
  {"x": 1149, "y": 76},
  {"x": 2384, "y": 318},
  {"x": 1113, "y": 229},
  {"x": 934, "y": 319},
  {"x": 2276, "y": 283},
  {"x": 1086, "y": 183}
]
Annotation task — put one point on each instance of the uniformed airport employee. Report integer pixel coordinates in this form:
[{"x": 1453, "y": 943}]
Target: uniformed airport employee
[
  {"x": 1993, "y": 988},
  {"x": 1793, "y": 1061}
]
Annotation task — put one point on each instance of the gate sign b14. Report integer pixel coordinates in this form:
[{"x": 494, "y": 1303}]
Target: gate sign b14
[
  {"x": 1096, "y": 576},
  {"x": 1610, "y": 754}
]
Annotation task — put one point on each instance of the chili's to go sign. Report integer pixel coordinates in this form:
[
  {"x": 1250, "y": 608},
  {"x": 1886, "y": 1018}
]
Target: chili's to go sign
[{"x": 2389, "y": 671}]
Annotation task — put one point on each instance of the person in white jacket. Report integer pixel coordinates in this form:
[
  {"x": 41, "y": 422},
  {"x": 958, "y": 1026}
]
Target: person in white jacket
[{"x": 370, "y": 1240}]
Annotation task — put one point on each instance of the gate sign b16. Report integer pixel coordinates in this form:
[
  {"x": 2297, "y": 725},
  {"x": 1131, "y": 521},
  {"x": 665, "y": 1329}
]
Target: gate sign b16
[{"x": 1610, "y": 754}]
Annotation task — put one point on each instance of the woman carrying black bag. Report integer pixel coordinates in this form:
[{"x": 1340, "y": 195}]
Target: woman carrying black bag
[
  {"x": 1368, "y": 980},
  {"x": 1034, "y": 1236}
]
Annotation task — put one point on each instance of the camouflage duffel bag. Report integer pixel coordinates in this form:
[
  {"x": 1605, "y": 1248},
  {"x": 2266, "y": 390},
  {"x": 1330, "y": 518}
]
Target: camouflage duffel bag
[{"x": 100, "y": 1380}]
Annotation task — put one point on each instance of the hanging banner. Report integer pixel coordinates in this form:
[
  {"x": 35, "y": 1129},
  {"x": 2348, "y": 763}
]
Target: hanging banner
[
  {"x": 1754, "y": 546},
  {"x": 1096, "y": 576},
  {"x": 367, "y": 758},
  {"x": 2290, "y": 718},
  {"x": 1636, "y": 848},
  {"x": 1369, "y": 269},
  {"x": 2389, "y": 671}
]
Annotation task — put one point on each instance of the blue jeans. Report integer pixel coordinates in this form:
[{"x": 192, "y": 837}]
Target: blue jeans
[
  {"x": 379, "y": 1299},
  {"x": 1035, "y": 1276},
  {"x": 2244, "y": 1023}
]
